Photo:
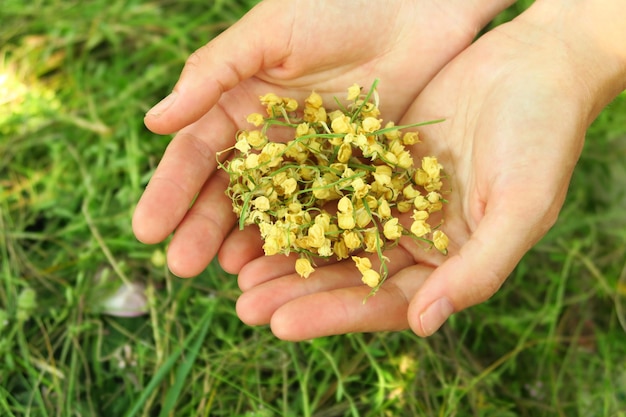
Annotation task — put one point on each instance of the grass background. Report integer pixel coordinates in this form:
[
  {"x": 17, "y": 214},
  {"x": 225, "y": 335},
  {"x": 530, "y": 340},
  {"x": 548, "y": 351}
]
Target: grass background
[{"x": 75, "y": 80}]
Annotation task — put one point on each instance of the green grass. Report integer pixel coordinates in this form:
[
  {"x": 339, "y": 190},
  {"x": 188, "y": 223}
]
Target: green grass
[{"x": 74, "y": 157}]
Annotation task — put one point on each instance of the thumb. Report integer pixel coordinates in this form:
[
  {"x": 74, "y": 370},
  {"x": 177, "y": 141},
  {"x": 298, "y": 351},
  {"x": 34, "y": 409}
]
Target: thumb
[
  {"x": 235, "y": 55},
  {"x": 476, "y": 272}
]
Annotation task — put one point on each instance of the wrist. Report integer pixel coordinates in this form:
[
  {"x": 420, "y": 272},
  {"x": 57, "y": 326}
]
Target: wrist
[{"x": 592, "y": 37}]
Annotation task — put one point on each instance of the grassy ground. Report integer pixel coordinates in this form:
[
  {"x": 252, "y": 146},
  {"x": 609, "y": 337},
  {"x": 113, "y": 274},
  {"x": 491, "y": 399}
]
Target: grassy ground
[{"x": 74, "y": 157}]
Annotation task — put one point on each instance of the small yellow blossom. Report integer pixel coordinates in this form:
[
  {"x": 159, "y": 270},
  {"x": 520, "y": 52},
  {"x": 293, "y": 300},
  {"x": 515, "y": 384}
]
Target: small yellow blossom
[
  {"x": 252, "y": 161},
  {"x": 353, "y": 92},
  {"x": 431, "y": 166},
  {"x": 351, "y": 239},
  {"x": 325, "y": 250},
  {"x": 420, "y": 228},
  {"x": 346, "y": 221},
  {"x": 362, "y": 218},
  {"x": 420, "y": 202},
  {"x": 262, "y": 203},
  {"x": 404, "y": 206},
  {"x": 290, "y": 104},
  {"x": 290, "y": 185},
  {"x": 384, "y": 210},
  {"x": 370, "y": 124},
  {"x": 345, "y": 205},
  {"x": 304, "y": 267},
  {"x": 314, "y": 100},
  {"x": 371, "y": 278},
  {"x": 362, "y": 264},
  {"x": 316, "y": 236},
  {"x": 341, "y": 249},
  {"x": 440, "y": 240},
  {"x": 392, "y": 230},
  {"x": 345, "y": 152},
  {"x": 341, "y": 124},
  {"x": 256, "y": 119},
  {"x": 410, "y": 138},
  {"x": 382, "y": 175}
]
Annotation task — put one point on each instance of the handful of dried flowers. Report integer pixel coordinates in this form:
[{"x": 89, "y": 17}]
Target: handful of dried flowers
[{"x": 337, "y": 186}]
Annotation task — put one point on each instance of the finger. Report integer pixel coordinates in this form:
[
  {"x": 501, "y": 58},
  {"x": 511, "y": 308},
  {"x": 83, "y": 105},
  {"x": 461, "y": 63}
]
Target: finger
[
  {"x": 505, "y": 233},
  {"x": 186, "y": 165},
  {"x": 240, "y": 248},
  {"x": 258, "y": 303},
  {"x": 348, "y": 310},
  {"x": 201, "y": 232},
  {"x": 233, "y": 56}
]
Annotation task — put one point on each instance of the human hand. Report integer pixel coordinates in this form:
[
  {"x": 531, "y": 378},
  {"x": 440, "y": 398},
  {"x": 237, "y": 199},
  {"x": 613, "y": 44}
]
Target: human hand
[
  {"x": 517, "y": 103},
  {"x": 288, "y": 48}
]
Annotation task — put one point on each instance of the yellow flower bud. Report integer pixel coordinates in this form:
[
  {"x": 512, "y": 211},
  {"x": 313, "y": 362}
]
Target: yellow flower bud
[
  {"x": 314, "y": 100},
  {"x": 252, "y": 161},
  {"x": 302, "y": 129},
  {"x": 363, "y": 218},
  {"x": 341, "y": 124},
  {"x": 323, "y": 220},
  {"x": 370, "y": 124},
  {"x": 370, "y": 238},
  {"x": 421, "y": 177},
  {"x": 384, "y": 211},
  {"x": 440, "y": 240},
  {"x": 392, "y": 230},
  {"x": 270, "y": 99},
  {"x": 362, "y": 264},
  {"x": 304, "y": 267},
  {"x": 351, "y": 239},
  {"x": 325, "y": 250},
  {"x": 404, "y": 206},
  {"x": 316, "y": 236},
  {"x": 382, "y": 175},
  {"x": 346, "y": 221},
  {"x": 431, "y": 166},
  {"x": 404, "y": 160},
  {"x": 345, "y": 152},
  {"x": 256, "y": 119},
  {"x": 256, "y": 139},
  {"x": 290, "y": 104},
  {"x": 290, "y": 185},
  {"x": 261, "y": 203},
  {"x": 340, "y": 249},
  {"x": 353, "y": 92},
  {"x": 360, "y": 188},
  {"x": 371, "y": 278},
  {"x": 420, "y": 228},
  {"x": 345, "y": 205},
  {"x": 420, "y": 215},
  {"x": 420, "y": 202},
  {"x": 410, "y": 138}
]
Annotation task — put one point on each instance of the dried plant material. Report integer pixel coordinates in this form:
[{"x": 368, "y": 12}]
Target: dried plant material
[{"x": 336, "y": 188}]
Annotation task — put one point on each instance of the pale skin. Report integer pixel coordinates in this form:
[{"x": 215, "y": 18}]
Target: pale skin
[{"x": 517, "y": 104}]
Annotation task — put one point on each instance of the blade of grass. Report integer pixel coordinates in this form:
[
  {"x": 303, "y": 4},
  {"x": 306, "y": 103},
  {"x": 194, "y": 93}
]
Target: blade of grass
[{"x": 198, "y": 332}]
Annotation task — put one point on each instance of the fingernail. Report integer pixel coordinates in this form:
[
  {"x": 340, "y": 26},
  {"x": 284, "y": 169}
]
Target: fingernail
[
  {"x": 435, "y": 315},
  {"x": 163, "y": 105}
]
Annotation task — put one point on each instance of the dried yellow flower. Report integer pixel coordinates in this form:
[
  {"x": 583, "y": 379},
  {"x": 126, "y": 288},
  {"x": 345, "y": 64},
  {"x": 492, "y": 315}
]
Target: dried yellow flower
[
  {"x": 256, "y": 119},
  {"x": 353, "y": 92},
  {"x": 362, "y": 264},
  {"x": 440, "y": 240},
  {"x": 337, "y": 185},
  {"x": 392, "y": 230},
  {"x": 371, "y": 278},
  {"x": 304, "y": 267}
]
